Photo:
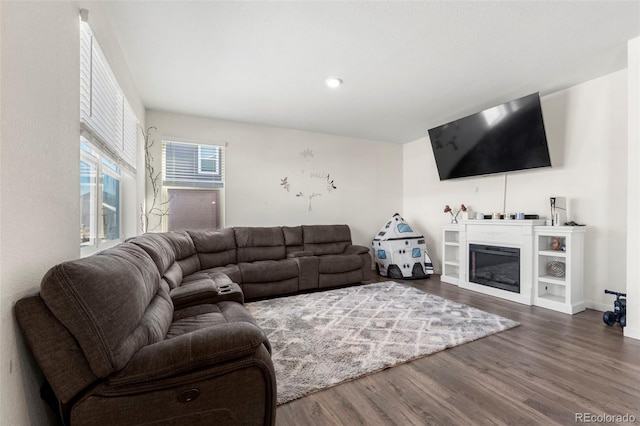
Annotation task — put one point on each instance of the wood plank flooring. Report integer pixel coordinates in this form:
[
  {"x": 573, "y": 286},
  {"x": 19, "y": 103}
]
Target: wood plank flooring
[{"x": 541, "y": 373}]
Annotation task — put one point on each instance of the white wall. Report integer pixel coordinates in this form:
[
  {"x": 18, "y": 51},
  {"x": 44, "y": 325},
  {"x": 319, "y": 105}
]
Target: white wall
[
  {"x": 39, "y": 171},
  {"x": 586, "y": 128},
  {"x": 368, "y": 174},
  {"x": 633, "y": 227}
]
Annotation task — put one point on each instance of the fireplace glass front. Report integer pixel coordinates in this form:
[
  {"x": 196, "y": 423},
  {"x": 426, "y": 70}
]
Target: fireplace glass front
[{"x": 495, "y": 266}]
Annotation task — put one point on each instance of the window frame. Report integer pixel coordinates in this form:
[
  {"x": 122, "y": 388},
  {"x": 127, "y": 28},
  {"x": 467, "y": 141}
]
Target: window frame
[
  {"x": 110, "y": 129},
  {"x": 217, "y": 182},
  {"x": 89, "y": 153},
  {"x": 165, "y": 199},
  {"x": 92, "y": 226},
  {"x": 215, "y": 158}
]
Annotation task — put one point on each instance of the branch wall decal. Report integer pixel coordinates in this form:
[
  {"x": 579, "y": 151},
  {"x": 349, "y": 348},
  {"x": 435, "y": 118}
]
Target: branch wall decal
[{"x": 309, "y": 181}]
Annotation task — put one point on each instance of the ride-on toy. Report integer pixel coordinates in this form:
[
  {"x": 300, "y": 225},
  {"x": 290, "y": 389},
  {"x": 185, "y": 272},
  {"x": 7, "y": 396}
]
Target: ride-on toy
[{"x": 619, "y": 313}]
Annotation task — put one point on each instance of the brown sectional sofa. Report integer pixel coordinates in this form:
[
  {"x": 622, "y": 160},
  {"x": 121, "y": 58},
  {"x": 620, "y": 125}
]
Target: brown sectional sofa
[{"x": 154, "y": 330}]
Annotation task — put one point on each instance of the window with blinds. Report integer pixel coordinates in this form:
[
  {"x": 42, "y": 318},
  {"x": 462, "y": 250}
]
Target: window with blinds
[
  {"x": 106, "y": 118},
  {"x": 193, "y": 184},
  {"x": 108, "y": 151},
  {"x": 192, "y": 165}
]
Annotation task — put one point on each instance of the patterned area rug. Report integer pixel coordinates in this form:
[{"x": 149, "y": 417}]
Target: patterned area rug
[{"x": 326, "y": 338}]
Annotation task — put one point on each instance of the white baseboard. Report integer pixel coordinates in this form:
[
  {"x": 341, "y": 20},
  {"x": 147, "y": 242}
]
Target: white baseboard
[
  {"x": 602, "y": 307},
  {"x": 633, "y": 333}
]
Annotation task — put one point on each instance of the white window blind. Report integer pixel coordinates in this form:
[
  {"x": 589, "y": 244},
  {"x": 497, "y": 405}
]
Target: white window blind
[
  {"x": 184, "y": 165},
  {"x": 106, "y": 117},
  {"x": 85, "y": 72},
  {"x": 129, "y": 134}
]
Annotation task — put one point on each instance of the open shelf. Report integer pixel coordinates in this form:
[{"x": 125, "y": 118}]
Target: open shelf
[
  {"x": 553, "y": 298},
  {"x": 450, "y": 255},
  {"x": 549, "y": 279},
  {"x": 552, "y": 253},
  {"x": 565, "y": 246}
]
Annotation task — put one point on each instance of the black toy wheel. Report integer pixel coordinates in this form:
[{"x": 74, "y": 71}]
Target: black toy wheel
[
  {"x": 609, "y": 318},
  {"x": 393, "y": 271},
  {"x": 623, "y": 321},
  {"x": 417, "y": 271}
]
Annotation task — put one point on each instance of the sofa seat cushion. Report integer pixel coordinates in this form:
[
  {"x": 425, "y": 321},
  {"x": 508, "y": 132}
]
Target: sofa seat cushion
[
  {"x": 268, "y": 271},
  {"x": 201, "y": 316},
  {"x": 336, "y": 264},
  {"x": 231, "y": 271},
  {"x": 207, "y": 344}
]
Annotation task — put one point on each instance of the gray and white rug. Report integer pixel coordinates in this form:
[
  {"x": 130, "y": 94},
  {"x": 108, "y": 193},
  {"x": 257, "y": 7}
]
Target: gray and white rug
[{"x": 325, "y": 338}]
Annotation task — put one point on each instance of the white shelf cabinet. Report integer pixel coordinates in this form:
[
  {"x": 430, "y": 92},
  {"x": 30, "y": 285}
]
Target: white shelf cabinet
[
  {"x": 450, "y": 254},
  {"x": 560, "y": 292}
]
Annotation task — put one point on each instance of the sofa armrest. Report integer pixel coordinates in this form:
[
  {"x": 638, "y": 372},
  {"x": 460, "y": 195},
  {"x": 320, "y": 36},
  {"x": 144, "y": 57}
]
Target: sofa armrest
[
  {"x": 204, "y": 291},
  {"x": 307, "y": 271},
  {"x": 196, "y": 350},
  {"x": 199, "y": 290},
  {"x": 299, "y": 254},
  {"x": 356, "y": 249}
]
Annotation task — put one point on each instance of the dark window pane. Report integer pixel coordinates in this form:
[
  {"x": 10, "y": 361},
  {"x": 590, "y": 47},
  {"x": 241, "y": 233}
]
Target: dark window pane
[{"x": 193, "y": 209}]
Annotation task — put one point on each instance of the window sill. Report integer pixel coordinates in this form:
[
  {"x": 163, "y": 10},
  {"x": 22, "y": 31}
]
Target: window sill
[{"x": 91, "y": 250}]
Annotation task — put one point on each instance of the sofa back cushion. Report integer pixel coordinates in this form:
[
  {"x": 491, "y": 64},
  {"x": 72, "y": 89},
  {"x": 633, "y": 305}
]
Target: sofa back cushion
[
  {"x": 215, "y": 248},
  {"x": 326, "y": 239},
  {"x": 293, "y": 238},
  {"x": 187, "y": 261},
  {"x": 158, "y": 248},
  {"x": 113, "y": 304},
  {"x": 256, "y": 244},
  {"x": 174, "y": 253}
]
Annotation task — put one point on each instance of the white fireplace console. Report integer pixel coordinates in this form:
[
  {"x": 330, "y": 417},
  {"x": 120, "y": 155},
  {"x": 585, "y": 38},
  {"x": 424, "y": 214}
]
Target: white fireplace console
[{"x": 544, "y": 251}]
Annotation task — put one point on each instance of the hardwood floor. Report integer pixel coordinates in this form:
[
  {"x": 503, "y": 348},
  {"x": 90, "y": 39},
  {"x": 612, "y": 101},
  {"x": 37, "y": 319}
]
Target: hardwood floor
[{"x": 542, "y": 372}]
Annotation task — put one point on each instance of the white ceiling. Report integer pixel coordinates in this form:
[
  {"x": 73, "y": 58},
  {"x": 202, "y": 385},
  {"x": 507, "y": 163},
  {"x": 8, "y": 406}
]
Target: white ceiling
[{"x": 406, "y": 66}]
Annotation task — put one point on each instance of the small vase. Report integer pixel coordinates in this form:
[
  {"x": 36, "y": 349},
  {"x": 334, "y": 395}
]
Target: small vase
[{"x": 454, "y": 220}]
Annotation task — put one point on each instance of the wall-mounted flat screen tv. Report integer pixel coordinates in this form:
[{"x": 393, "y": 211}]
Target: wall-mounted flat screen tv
[{"x": 504, "y": 138}]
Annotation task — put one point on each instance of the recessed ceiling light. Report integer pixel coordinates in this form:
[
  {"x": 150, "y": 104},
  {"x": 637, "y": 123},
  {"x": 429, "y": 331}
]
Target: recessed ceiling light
[{"x": 333, "y": 82}]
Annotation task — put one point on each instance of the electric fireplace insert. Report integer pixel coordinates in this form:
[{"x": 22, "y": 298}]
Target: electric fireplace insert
[{"x": 495, "y": 266}]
